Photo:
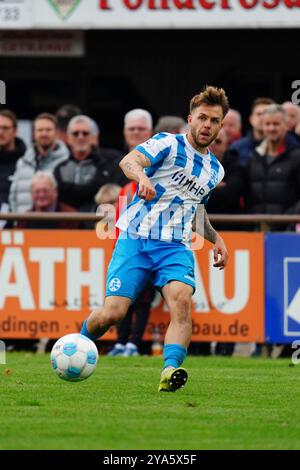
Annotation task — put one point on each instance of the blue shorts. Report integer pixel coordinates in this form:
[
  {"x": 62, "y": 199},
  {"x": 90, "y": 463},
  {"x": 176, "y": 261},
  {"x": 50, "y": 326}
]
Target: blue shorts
[{"x": 136, "y": 261}]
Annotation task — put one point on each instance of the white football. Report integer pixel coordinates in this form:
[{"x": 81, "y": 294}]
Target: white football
[{"x": 74, "y": 357}]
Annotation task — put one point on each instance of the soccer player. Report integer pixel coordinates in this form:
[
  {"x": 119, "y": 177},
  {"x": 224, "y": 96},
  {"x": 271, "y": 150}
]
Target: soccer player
[{"x": 175, "y": 174}]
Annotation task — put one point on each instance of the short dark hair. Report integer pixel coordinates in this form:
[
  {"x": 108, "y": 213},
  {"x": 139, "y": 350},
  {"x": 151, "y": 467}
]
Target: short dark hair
[
  {"x": 259, "y": 101},
  {"x": 48, "y": 116},
  {"x": 9, "y": 115},
  {"x": 169, "y": 124},
  {"x": 212, "y": 96},
  {"x": 65, "y": 114}
]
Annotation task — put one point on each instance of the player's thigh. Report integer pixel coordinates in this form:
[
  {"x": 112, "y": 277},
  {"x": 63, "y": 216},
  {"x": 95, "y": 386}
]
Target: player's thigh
[
  {"x": 128, "y": 270},
  {"x": 178, "y": 266}
]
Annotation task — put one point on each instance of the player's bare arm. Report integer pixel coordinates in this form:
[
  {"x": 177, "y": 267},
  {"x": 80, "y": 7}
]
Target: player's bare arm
[
  {"x": 133, "y": 165},
  {"x": 210, "y": 234},
  {"x": 220, "y": 250}
]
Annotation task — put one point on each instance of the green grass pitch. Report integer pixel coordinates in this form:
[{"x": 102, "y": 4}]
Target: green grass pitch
[{"x": 228, "y": 403}]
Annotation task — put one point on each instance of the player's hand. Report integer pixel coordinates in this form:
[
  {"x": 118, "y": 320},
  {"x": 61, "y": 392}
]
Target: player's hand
[
  {"x": 146, "y": 190},
  {"x": 220, "y": 254}
]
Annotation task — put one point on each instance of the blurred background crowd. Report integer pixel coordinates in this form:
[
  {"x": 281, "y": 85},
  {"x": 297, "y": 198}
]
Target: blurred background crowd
[{"x": 65, "y": 168}]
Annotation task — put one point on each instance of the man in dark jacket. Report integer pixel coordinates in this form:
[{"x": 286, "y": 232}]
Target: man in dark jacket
[
  {"x": 80, "y": 177},
  {"x": 273, "y": 170},
  {"x": 11, "y": 149},
  {"x": 226, "y": 197},
  {"x": 243, "y": 147}
]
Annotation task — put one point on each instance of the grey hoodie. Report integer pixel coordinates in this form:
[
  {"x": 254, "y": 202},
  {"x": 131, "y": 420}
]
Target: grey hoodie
[{"x": 27, "y": 166}]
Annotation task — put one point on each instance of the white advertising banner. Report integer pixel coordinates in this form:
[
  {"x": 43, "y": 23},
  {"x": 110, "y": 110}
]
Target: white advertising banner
[
  {"x": 16, "y": 14},
  {"x": 139, "y": 14}
]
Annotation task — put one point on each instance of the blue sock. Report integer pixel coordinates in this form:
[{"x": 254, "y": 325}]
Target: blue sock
[
  {"x": 85, "y": 332},
  {"x": 174, "y": 355}
]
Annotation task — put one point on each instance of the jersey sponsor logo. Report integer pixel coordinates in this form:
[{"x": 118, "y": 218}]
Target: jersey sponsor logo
[
  {"x": 115, "y": 284},
  {"x": 187, "y": 183}
]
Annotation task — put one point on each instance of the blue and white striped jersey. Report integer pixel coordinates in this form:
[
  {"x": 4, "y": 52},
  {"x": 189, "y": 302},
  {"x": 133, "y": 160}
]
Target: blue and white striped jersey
[{"x": 182, "y": 178}]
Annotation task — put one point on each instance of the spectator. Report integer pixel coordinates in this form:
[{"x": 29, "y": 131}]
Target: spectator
[
  {"x": 11, "y": 149},
  {"x": 43, "y": 188},
  {"x": 45, "y": 154},
  {"x": 226, "y": 197},
  {"x": 95, "y": 134},
  {"x": 171, "y": 124},
  {"x": 273, "y": 170},
  {"x": 219, "y": 145},
  {"x": 64, "y": 116},
  {"x": 245, "y": 146},
  {"x": 293, "y": 115},
  {"x": 131, "y": 329},
  {"x": 110, "y": 155},
  {"x": 80, "y": 177},
  {"x": 232, "y": 125},
  {"x": 107, "y": 194},
  {"x": 293, "y": 119},
  {"x": 137, "y": 129}
]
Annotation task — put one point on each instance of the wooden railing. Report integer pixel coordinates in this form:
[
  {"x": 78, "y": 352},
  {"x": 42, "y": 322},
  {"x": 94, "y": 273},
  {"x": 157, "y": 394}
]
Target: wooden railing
[{"x": 264, "y": 221}]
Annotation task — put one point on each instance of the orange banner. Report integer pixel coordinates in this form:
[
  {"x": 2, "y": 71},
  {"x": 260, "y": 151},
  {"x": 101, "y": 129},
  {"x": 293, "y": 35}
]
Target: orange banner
[
  {"x": 228, "y": 305},
  {"x": 51, "y": 280}
]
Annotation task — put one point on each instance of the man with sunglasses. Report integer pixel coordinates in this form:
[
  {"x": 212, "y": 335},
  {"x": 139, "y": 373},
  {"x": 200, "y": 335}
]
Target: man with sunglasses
[{"x": 81, "y": 176}]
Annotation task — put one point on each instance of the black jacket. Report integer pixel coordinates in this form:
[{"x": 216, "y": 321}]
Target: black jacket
[
  {"x": 8, "y": 160},
  {"x": 79, "y": 181},
  {"x": 273, "y": 188},
  {"x": 112, "y": 158},
  {"x": 226, "y": 197}
]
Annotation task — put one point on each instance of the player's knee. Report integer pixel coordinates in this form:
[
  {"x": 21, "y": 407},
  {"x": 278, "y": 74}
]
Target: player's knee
[
  {"x": 182, "y": 300},
  {"x": 180, "y": 311},
  {"x": 114, "y": 311},
  {"x": 180, "y": 305}
]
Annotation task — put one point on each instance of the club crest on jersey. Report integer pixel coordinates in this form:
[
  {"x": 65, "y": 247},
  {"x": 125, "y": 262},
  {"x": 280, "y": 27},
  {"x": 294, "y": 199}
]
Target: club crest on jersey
[
  {"x": 115, "y": 284},
  {"x": 149, "y": 143},
  {"x": 214, "y": 177}
]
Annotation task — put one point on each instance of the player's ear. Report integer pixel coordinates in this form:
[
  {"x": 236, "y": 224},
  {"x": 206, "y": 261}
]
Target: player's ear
[{"x": 189, "y": 118}]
